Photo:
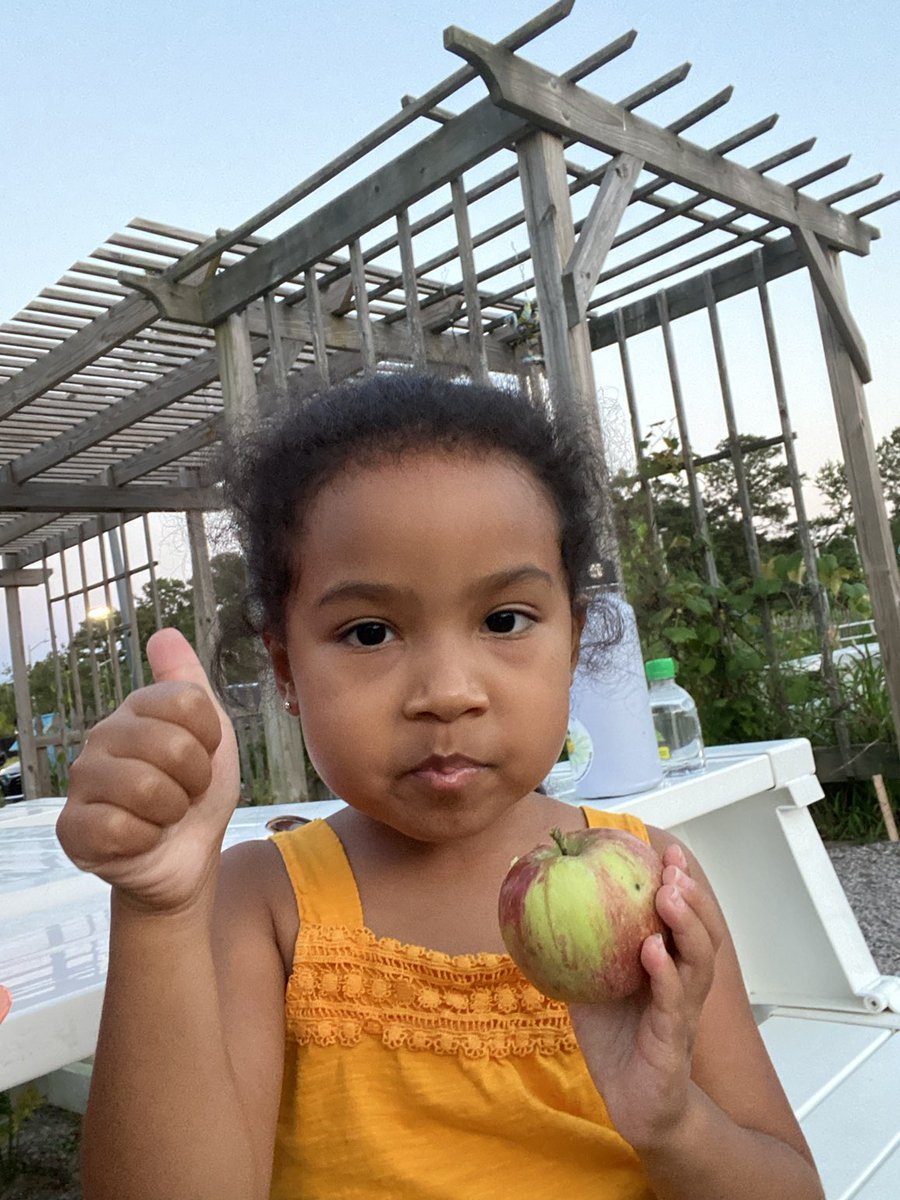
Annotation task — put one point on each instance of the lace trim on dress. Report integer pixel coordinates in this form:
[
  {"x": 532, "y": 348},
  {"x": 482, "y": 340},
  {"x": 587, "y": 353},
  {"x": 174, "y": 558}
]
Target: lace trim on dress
[{"x": 348, "y": 984}]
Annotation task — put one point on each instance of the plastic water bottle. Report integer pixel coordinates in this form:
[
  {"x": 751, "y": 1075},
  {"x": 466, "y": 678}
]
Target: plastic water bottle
[
  {"x": 678, "y": 735},
  {"x": 610, "y": 724}
]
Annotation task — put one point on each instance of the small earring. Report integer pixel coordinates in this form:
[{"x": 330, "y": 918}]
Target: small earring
[{"x": 287, "y": 705}]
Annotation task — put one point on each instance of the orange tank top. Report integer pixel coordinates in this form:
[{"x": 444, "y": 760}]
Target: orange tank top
[{"x": 411, "y": 1074}]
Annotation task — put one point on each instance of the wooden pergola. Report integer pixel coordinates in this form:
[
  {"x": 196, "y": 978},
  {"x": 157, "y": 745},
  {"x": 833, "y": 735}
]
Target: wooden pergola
[{"x": 122, "y": 377}]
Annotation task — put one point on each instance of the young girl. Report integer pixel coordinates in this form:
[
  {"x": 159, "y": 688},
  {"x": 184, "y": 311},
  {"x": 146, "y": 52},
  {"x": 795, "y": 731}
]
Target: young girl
[{"x": 331, "y": 1013}]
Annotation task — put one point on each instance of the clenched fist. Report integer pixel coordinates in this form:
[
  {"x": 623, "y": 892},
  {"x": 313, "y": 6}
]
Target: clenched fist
[{"x": 151, "y": 794}]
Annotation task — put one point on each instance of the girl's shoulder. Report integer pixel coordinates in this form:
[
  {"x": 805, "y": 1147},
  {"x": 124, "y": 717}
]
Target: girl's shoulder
[{"x": 255, "y": 894}]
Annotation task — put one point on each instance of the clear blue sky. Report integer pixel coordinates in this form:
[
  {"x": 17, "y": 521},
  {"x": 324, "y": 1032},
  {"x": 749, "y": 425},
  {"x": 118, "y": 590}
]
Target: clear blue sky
[{"x": 198, "y": 113}]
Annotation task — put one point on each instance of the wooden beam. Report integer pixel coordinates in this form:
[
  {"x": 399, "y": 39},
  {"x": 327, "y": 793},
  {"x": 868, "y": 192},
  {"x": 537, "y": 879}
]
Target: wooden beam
[
  {"x": 553, "y": 103},
  {"x": 779, "y": 258},
  {"x": 873, "y": 531},
  {"x": 17, "y": 577},
  {"x": 236, "y": 371},
  {"x": 200, "y": 371},
  {"x": 827, "y": 289},
  {"x": 567, "y": 352},
  {"x": 115, "y": 326},
  {"x": 206, "y": 617},
  {"x": 472, "y": 137},
  {"x": 92, "y": 497},
  {"x": 21, "y": 689},
  {"x": 582, "y": 271}
]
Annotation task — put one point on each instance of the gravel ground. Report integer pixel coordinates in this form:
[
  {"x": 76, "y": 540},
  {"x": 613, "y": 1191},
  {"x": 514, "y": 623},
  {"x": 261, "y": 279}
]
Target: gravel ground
[{"x": 870, "y": 876}]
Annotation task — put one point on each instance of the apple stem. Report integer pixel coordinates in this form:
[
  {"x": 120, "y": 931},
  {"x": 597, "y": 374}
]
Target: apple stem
[{"x": 559, "y": 838}]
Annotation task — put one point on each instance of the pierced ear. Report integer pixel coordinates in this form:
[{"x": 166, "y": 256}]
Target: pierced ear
[{"x": 281, "y": 666}]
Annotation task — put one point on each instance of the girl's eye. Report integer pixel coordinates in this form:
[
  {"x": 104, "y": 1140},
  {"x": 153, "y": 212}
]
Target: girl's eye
[
  {"x": 508, "y": 621},
  {"x": 367, "y": 634}
]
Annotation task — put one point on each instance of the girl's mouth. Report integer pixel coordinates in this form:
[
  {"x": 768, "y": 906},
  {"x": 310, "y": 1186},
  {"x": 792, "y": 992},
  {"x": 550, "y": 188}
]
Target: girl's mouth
[{"x": 448, "y": 771}]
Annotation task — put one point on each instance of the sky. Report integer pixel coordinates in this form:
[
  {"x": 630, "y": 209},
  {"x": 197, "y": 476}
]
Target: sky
[{"x": 198, "y": 114}]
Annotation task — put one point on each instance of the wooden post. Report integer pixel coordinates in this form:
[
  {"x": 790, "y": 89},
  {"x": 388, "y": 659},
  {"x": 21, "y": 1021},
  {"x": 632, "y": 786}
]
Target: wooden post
[
  {"x": 884, "y": 803},
  {"x": 284, "y": 741},
  {"x": 62, "y": 709},
  {"x": 637, "y": 440},
  {"x": 206, "y": 622},
  {"x": 314, "y": 304},
  {"x": 361, "y": 300},
  {"x": 411, "y": 290},
  {"x": 477, "y": 356},
  {"x": 873, "y": 531},
  {"x": 21, "y": 690},
  {"x": 73, "y": 657},
  {"x": 567, "y": 351},
  {"x": 820, "y": 606},
  {"x": 698, "y": 510}
]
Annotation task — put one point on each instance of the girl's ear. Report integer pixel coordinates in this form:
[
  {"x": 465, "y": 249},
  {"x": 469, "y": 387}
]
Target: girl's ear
[
  {"x": 579, "y": 617},
  {"x": 281, "y": 667}
]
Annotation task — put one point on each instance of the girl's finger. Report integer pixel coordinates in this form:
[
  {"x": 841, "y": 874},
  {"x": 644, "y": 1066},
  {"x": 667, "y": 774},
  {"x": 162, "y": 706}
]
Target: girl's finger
[
  {"x": 170, "y": 748},
  {"x": 694, "y": 945},
  {"x": 666, "y": 1016}
]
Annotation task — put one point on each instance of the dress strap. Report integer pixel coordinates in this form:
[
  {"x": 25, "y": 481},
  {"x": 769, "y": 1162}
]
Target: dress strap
[
  {"x": 599, "y": 818},
  {"x": 320, "y": 875}
]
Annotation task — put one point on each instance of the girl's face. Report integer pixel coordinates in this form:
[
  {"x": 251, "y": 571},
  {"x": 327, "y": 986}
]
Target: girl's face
[{"x": 430, "y": 640}]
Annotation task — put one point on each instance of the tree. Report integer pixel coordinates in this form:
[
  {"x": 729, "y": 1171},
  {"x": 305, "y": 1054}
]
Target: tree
[
  {"x": 835, "y": 528},
  {"x": 241, "y": 656}
]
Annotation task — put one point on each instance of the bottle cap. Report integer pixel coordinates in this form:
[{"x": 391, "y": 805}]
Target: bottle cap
[{"x": 660, "y": 668}]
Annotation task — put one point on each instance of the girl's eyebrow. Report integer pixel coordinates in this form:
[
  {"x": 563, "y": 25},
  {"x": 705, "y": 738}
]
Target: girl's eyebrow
[{"x": 364, "y": 589}]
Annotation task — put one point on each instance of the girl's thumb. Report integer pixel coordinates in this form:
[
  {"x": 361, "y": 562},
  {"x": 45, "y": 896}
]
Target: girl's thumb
[{"x": 172, "y": 657}]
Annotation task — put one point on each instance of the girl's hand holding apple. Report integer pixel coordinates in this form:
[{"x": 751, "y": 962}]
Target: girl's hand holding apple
[
  {"x": 639, "y": 1049},
  {"x": 151, "y": 794}
]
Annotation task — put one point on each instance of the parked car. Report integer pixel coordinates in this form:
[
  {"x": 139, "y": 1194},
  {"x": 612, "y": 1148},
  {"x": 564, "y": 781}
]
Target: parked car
[{"x": 11, "y": 781}]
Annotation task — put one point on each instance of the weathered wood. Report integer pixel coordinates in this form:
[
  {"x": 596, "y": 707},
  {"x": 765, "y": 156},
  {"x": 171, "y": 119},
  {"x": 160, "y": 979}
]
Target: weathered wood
[
  {"x": 202, "y": 370},
  {"x": 227, "y": 239},
  {"x": 72, "y": 653},
  {"x": 151, "y": 570},
  {"x": 863, "y": 761},
  {"x": 567, "y": 352},
  {"x": 582, "y": 271},
  {"x": 93, "y": 497},
  {"x": 817, "y": 591},
  {"x": 21, "y": 692},
  {"x": 873, "y": 533},
  {"x": 317, "y": 328},
  {"x": 411, "y": 290},
  {"x": 478, "y": 358},
  {"x": 778, "y": 259},
  {"x": 831, "y": 296},
  {"x": 99, "y": 699},
  {"x": 640, "y": 461},
  {"x": 279, "y": 366},
  {"x": 17, "y": 577},
  {"x": 126, "y": 601},
  {"x": 361, "y": 298},
  {"x": 743, "y": 491},
  {"x": 698, "y": 509},
  {"x": 236, "y": 371},
  {"x": 449, "y": 151},
  {"x": 206, "y": 621},
  {"x": 115, "y": 326},
  {"x": 564, "y": 108}
]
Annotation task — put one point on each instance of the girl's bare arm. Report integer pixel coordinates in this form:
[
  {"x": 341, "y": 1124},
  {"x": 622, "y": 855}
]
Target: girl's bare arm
[{"x": 187, "y": 1075}]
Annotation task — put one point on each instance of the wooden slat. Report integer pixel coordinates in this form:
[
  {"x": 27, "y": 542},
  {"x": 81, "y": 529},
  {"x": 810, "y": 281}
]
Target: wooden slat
[
  {"x": 549, "y": 100},
  {"x": 411, "y": 290},
  {"x": 104, "y": 332},
  {"x": 477, "y": 354},
  {"x": 873, "y": 530},
  {"x": 582, "y": 271},
  {"x": 361, "y": 301},
  {"x": 474, "y": 135},
  {"x": 74, "y": 497},
  {"x": 830, "y": 295}
]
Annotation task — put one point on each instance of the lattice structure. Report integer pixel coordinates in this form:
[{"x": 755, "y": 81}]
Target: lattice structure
[{"x": 538, "y": 225}]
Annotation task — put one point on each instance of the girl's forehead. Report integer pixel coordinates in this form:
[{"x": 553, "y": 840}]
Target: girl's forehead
[{"x": 429, "y": 495}]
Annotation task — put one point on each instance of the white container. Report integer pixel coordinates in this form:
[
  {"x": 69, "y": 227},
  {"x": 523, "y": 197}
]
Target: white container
[
  {"x": 610, "y": 723},
  {"x": 678, "y": 735},
  {"x": 560, "y": 783}
]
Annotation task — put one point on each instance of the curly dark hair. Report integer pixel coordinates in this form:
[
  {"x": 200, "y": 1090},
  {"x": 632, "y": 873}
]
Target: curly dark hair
[{"x": 273, "y": 473}]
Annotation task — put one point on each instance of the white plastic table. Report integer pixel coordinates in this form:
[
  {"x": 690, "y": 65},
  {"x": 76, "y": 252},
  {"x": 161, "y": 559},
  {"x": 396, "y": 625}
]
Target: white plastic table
[{"x": 829, "y": 1019}]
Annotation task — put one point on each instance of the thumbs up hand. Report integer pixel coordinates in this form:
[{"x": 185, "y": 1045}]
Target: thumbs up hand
[{"x": 151, "y": 794}]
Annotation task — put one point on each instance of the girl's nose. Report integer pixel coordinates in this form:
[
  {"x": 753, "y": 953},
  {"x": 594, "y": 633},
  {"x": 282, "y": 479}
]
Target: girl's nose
[{"x": 445, "y": 684}]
